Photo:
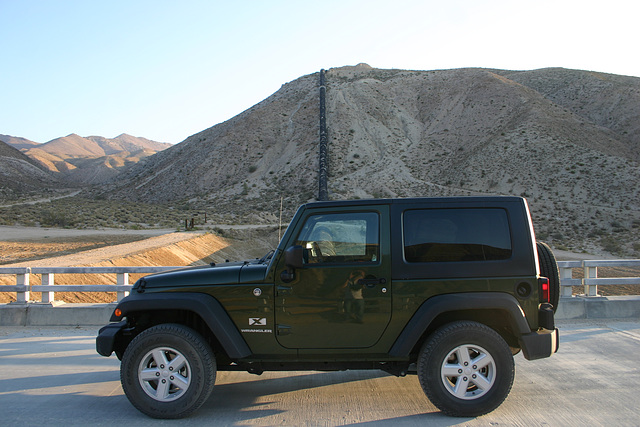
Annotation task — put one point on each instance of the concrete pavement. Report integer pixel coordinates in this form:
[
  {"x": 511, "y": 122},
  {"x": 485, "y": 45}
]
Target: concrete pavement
[{"x": 53, "y": 376}]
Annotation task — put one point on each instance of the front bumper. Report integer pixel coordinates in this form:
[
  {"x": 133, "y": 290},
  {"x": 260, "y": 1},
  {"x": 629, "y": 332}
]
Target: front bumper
[
  {"x": 540, "y": 344},
  {"x": 107, "y": 337}
]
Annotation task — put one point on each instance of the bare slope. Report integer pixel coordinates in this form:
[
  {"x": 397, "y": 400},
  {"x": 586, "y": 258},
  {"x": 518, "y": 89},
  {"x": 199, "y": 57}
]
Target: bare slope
[
  {"x": 472, "y": 131},
  {"x": 606, "y": 100},
  {"x": 19, "y": 174}
]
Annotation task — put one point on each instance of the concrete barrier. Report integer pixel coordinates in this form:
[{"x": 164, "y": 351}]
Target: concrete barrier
[
  {"x": 55, "y": 314},
  {"x": 619, "y": 307},
  {"x": 62, "y": 314}
]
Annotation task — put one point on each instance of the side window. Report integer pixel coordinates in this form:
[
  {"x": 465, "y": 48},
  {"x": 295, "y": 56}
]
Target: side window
[
  {"x": 341, "y": 238},
  {"x": 454, "y": 235}
]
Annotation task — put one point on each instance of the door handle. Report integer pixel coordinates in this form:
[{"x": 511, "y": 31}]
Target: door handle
[
  {"x": 370, "y": 283},
  {"x": 283, "y": 330}
]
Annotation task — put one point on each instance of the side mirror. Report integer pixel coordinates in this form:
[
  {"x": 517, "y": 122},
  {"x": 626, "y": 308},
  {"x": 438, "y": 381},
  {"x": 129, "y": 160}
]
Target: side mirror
[{"x": 293, "y": 257}]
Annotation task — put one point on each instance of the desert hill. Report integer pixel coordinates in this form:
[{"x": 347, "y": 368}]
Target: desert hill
[
  {"x": 85, "y": 161},
  {"x": 568, "y": 140},
  {"x": 18, "y": 142},
  {"x": 124, "y": 142},
  {"x": 20, "y": 174},
  {"x": 72, "y": 146}
]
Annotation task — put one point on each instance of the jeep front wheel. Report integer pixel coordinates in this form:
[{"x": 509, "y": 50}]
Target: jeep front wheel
[
  {"x": 466, "y": 369},
  {"x": 168, "y": 371}
]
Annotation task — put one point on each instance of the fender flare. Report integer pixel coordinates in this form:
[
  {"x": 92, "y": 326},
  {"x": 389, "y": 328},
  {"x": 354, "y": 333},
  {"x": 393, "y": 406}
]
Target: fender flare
[
  {"x": 437, "y": 305},
  {"x": 204, "y": 305}
]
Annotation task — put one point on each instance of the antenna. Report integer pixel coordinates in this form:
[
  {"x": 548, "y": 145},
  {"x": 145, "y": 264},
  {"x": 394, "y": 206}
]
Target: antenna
[{"x": 280, "y": 222}]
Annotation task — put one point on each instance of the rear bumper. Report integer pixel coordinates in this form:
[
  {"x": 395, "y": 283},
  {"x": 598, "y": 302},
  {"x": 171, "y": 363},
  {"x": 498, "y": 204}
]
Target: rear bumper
[
  {"x": 107, "y": 337},
  {"x": 540, "y": 344}
]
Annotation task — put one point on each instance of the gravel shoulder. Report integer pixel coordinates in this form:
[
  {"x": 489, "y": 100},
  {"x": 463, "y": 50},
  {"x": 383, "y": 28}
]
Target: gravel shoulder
[{"x": 45, "y": 250}]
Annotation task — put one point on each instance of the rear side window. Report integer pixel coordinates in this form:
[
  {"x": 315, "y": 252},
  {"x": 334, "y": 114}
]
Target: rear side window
[{"x": 456, "y": 235}]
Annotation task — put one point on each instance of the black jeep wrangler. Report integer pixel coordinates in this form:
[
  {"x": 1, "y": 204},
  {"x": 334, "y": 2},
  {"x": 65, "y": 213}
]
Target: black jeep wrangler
[{"x": 448, "y": 288}]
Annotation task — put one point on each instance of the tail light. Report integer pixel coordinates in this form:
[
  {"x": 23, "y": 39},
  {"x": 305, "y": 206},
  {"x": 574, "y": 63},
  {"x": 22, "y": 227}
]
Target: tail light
[{"x": 545, "y": 290}]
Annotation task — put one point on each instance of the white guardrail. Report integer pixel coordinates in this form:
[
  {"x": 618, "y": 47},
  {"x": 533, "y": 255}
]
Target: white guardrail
[
  {"x": 590, "y": 280},
  {"x": 22, "y": 288}
]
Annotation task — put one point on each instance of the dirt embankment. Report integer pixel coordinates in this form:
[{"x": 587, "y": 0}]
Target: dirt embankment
[{"x": 174, "y": 249}]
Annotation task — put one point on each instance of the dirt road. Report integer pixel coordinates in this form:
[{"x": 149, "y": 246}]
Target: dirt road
[{"x": 8, "y": 233}]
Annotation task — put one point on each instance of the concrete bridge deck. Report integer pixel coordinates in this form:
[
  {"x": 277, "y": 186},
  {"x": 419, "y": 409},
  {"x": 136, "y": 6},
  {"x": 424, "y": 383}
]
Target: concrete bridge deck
[{"x": 53, "y": 376}]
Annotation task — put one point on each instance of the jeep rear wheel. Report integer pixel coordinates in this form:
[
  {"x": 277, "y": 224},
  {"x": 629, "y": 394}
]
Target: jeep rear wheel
[
  {"x": 466, "y": 369},
  {"x": 168, "y": 371},
  {"x": 549, "y": 269}
]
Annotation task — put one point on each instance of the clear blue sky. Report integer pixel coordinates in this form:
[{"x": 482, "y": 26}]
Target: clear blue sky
[{"x": 165, "y": 70}]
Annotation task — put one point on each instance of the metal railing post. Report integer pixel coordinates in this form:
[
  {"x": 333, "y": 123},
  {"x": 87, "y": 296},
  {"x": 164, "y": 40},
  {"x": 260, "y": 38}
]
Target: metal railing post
[
  {"x": 48, "y": 280},
  {"x": 122, "y": 279},
  {"x": 22, "y": 280},
  {"x": 590, "y": 273},
  {"x": 566, "y": 291}
]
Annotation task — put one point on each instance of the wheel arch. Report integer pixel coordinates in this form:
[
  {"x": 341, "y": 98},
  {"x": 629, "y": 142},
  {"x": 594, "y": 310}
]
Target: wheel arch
[
  {"x": 201, "y": 312},
  {"x": 497, "y": 310}
]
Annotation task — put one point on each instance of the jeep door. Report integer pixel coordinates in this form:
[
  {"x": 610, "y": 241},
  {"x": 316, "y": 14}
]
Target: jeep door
[{"x": 341, "y": 297}]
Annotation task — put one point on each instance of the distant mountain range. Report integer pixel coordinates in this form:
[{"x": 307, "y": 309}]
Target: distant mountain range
[{"x": 75, "y": 160}]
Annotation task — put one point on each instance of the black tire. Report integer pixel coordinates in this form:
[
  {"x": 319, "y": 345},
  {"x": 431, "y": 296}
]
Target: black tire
[
  {"x": 549, "y": 269},
  {"x": 178, "y": 390},
  {"x": 447, "y": 359}
]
